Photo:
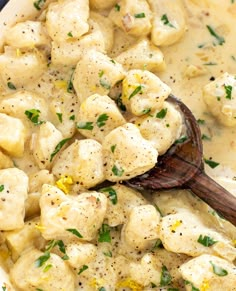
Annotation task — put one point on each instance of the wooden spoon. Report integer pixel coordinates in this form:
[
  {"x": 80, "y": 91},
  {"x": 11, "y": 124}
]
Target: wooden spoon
[{"x": 182, "y": 167}]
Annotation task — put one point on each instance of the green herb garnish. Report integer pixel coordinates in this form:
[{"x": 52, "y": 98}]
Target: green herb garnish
[
  {"x": 58, "y": 147},
  {"x": 219, "y": 38},
  {"x": 11, "y": 86},
  {"x": 70, "y": 34},
  {"x": 39, "y": 4},
  {"x": 101, "y": 121},
  {"x": 153, "y": 285},
  {"x": 206, "y": 241},
  {"x": 140, "y": 15},
  {"x": 75, "y": 232},
  {"x": 218, "y": 270},
  {"x": 108, "y": 254},
  {"x": 205, "y": 137},
  {"x": 211, "y": 163},
  {"x": 146, "y": 111},
  {"x": 105, "y": 84},
  {"x": 102, "y": 289},
  {"x": 85, "y": 125},
  {"x": 201, "y": 121},
  {"x": 101, "y": 73},
  {"x": 228, "y": 91},
  {"x": 182, "y": 139},
  {"x": 42, "y": 259},
  {"x": 70, "y": 86},
  {"x": 166, "y": 21},
  {"x": 113, "y": 147},
  {"x": 117, "y": 7},
  {"x": 59, "y": 115},
  {"x": 104, "y": 234},
  {"x": 161, "y": 114},
  {"x": 47, "y": 268},
  {"x": 165, "y": 277},
  {"x": 117, "y": 172},
  {"x": 4, "y": 288},
  {"x": 158, "y": 244},
  {"x": 112, "y": 194},
  {"x": 136, "y": 91},
  {"x": 189, "y": 283},
  {"x": 82, "y": 269},
  {"x": 1, "y": 188},
  {"x": 33, "y": 116},
  {"x": 119, "y": 103},
  {"x": 72, "y": 117}
]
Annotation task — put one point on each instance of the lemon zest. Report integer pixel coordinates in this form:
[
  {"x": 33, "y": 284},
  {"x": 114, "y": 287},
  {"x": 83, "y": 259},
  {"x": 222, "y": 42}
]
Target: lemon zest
[
  {"x": 40, "y": 227},
  {"x": 61, "y": 84},
  {"x": 129, "y": 283},
  {"x": 205, "y": 285},
  {"x": 18, "y": 52},
  {"x": 175, "y": 225},
  {"x": 96, "y": 283},
  {"x": 64, "y": 183}
]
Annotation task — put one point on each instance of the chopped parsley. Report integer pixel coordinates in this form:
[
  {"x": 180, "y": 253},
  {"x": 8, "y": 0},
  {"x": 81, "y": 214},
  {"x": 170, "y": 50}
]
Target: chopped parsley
[
  {"x": 119, "y": 103},
  {"x": 61, "y": 246},
  {"x": 161, "y": 114},
  {"x": 113, "y": 147},
  {"x": 136, "y": 91},
  {"x": 102, "y": 289},
  {"x": 101, "y": 121},
  {"x": 105, "y": 84},
  {"x": 39, "y": 4},
  {"x": 189, "y": 283},
  {"x": 59, "y": 115},
  {"x": 33, "y": 116},
  {"x": 205, "y": 137},
  {"x": 11, "y": 86},
  {"x": 70, "y": 34},
  {"x": 211, "y": 163},
  {"x": 82, "y": 269},
  {"x": 206, "y": 241},
  {"x": 72, "y": 117},
  {"x": 158, "y": 244},
  {"x": 201, "y": 121},
  {"x": 228, "y": 91},
  {"x": 165, "y": 277},
  {"x": 117, "y": 172},
  {"x": 112, "y": 194},
  {"x": 182, "y": 139},
  {"x": 158, "y": 210},
  {"x": 153, "y": 285},
  {"x": 38, "y": 289},
  {"x": 75, "y": 232},
  {"x": 101, "y": 73},
  {"x": 117, "y": 7},
  {"x": 47, "y": 268},
  {"x": 58, "y": 147},
  {"x": 85, "y": 125},
  {"x": 42, "y": 259},
  {"x": 166, "y": 21},
  {"x": 219, "y": 38},
  {"x": 70, "y": 86},
  {"x": 108, "y": 254},
  {"x": 1, "y": 188},
  {"x": 210, "y": 64},
  {"x": 146, "y": 111},
  {"x": 218, "y": 270},
  {"x": 104, "y": 233},
  {"x": 4, "y": 288},
  {"x": 140, "y": 15}
]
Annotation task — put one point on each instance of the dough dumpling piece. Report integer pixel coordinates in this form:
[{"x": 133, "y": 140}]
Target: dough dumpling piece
[
  {"x": 143, "y": 91},
  {"x": 134, "y": 17},
  {"x": 14, "y": 64},
  {"x": 209, "y": 272},
  {"x": 58, "y": 277},
  {"x": 220, "y": 98},
  {"x": 152, "y": 58},
  {"x": 102, "y": 4},
  {"x": 14, "y": 185},
  {"x": 83, "y": 162},
  {"x": 96, "y": 73},
  {"x": 168, "y": 23},
  {"x": 27, "y": 34},
  {"x": 67, "y": 17},
  {"x": 59, "y": 212},
  {"x": 102, "y": 114},
  {"x": 162, "y": 127},
  {"x": 127, "y": 154}
]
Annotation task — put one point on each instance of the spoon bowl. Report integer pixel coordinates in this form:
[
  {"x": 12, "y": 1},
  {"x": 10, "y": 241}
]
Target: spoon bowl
[{"x": 182, "y": 167}]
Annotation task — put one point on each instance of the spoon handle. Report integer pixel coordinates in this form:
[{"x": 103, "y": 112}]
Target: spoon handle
[{"x": 214, "y": 195}]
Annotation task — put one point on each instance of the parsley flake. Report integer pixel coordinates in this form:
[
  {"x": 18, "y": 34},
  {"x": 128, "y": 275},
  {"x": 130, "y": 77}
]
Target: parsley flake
[
  {"x": 1, "y": 188},
  {"x": 105, "y": 84},
  {"x": 189, "y": 283},
  {"x": 38, "y": 289},
  {"x": 108, "y": 254},
  {"x": 70, "y": 34},
  {"x": 117, "y": 7},
  {"x": 39, "y": 4},
  {"x": 42, "y": 259},
  {"x": 182, "y": 139},
  {"x": 102, "y": 289},
  {"x": 33, "y": 116},
  {"x": 113, "y": 147},
  {"x": 47, "y": 268},
  {"x": 120, "y": 104},
  {"x": 218, "y": 270},
  {"x": 161, "y": 114},
  {"x": 206, "y": 241},
  {"x": 58, "y": 147},
  {"x": 165, "y": 277},
  {"x": 4, "y": 288},
  {"x": 72, "y": 117},
  {"x": 104, "y": 234},
  {"x": 201, "y": 121},
  {"x": 11, "y": 86},
  {"x": 158, "y": 244},
  {"x": 166, "y": 21},
  {"x": 82, "y": 269},
  {"x": 136, "y": 91},
  {"x": 140, "y": 15},
  {"x": 101, "y": 73},
  {"x": 153, "y": 285},
  {"x": 59, "y": 115},
  {"x": 75, "y": 232},
  {"x": 101, "y": 121},
  {"x": 205, "y": 137},
  {"x": 228, "y": 91},
  {"x": 85, "y": 125},
  {"x": 219, "y": 38},
  {"x": 146, "y": 111},
  {"x": 211, "y": 163},
  {"x": 117, "y": 172},
  {"x": 70, "y": 86},
  {"x": 112, "y": 194}
]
